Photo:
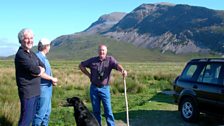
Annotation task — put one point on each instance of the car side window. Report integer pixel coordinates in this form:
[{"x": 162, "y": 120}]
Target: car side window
[
  {"x": 210, "y": 74},
  {"x": 189, "y": 72}
]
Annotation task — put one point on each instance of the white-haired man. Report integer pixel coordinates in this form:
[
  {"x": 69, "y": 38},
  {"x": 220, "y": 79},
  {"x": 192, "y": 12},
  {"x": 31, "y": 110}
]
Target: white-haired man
[{"x": 28, "y": 71}]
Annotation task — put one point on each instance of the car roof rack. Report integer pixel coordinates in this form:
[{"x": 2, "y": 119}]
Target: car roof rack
[{"x": 208, "y": 60}]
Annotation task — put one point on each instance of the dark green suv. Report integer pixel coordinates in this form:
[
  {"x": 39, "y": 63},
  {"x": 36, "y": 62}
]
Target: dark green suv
[{"x": 200, "y": 88}]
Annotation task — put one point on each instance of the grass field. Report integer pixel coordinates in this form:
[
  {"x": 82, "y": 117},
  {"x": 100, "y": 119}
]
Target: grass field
[{"x": 145, "y": 82}]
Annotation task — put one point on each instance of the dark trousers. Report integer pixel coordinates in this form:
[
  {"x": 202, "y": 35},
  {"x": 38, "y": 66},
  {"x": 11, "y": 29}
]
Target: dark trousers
[{"x": 28, "y": 110}]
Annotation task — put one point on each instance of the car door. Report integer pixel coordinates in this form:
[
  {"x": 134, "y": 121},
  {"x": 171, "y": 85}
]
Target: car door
[
  {"x": 208, "y": 87},
  {"x": 186, "y": 80},
  {"x": 220, "y": 101}
]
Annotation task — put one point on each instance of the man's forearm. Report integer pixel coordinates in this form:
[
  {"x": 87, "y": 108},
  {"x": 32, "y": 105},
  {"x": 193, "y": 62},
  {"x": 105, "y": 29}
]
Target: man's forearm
[
  {"x": 50, "y": 78},
  {"x": 120, "y": 68},
  {"x": 45, "y": 76},
  {"x": 84, "y": 70}
]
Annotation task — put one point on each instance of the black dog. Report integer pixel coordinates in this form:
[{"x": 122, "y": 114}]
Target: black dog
[{"x": 82, "y": 115}]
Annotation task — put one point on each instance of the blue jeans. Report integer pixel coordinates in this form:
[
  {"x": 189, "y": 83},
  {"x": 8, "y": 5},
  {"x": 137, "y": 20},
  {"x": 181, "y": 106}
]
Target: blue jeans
[
  {"x": 98, "y": 94},
  {"x": 28, "y": 110},
  {"x": 43, "y": 107}
]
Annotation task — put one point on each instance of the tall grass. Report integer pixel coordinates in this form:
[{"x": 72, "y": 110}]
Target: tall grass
[
  {"x": 144, "y": 81},
  {"x": 8, "y": 95}
]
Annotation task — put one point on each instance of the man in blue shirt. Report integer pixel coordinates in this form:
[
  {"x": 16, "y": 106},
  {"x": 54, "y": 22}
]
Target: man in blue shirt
[
  {"x": 28, "y": 71},
  {"x": 100, "y": 70},
  {"x": 47, "y": 80}
]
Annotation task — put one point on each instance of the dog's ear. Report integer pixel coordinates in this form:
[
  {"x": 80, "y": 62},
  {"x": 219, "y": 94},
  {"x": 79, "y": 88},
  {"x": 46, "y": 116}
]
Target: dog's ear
[
  {"x": 68, "y": 99},
  {"x": 68, "y": 102}
]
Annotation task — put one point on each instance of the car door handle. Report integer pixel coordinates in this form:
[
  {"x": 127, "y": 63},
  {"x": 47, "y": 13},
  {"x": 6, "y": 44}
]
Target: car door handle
[{"x": 195, "y": 87}]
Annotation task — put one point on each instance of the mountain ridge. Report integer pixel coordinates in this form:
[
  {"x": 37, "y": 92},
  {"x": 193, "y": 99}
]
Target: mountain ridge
[
  {"x": 173, "y": 29},
  {"x": 176, "y": 28}
]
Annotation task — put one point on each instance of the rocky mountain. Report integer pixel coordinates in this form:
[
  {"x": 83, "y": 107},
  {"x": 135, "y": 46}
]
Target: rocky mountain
[
  {"x": 169, "y": 27},
  {"x": 179, "y": 29},
  {"x": 104, "y": 23}
]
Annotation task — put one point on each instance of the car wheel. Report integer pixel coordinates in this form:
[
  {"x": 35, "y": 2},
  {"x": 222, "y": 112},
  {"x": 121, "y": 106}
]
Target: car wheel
[{"x": 189, "y": 110}]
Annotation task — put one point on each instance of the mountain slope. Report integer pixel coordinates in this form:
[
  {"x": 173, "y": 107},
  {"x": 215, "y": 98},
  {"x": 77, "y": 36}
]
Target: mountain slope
[
  {"x": 84, "y": 47},
  {"x": 178, "y": 31},
  {"x": 104, "y": 23},
  {"x": 177, "y": 28}
]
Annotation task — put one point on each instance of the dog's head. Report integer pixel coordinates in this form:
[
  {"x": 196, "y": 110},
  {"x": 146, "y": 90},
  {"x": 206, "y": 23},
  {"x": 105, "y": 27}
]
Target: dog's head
[{"x": 74, "y": 101}]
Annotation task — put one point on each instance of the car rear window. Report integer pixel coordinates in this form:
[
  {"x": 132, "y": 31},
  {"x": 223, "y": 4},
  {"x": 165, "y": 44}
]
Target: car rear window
[{"x": 189, "y": 71}]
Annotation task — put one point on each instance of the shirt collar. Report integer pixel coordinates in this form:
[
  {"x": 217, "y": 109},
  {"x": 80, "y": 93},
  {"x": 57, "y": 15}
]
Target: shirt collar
[
  {"x": 24, "y": 49},
  {"x": 101, "y": 59},
  {"x": 42, "y": 53}
]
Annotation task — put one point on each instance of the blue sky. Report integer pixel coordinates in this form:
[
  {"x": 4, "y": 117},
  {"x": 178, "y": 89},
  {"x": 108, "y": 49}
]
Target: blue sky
[{"x": 53, "y": 18}]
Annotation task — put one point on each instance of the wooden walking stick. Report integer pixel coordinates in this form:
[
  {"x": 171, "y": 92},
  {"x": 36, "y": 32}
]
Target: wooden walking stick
[{"x": 126, "y": 101}]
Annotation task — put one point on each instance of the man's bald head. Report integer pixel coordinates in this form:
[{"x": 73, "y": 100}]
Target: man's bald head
[{"x": 102, "y": 51}]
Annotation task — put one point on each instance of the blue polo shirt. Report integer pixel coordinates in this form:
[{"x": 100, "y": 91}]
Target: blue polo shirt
[
  {"x": 27, "y": 68},
  {"x": 100, "y": 70},
  {"x": 45, "y": 61}
]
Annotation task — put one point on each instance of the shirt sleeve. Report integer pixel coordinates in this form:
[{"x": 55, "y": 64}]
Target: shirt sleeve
[
  {"x": 27, "y": 64},
  {"x": 40, "y": 62},
  {"x": 87, "y": 63},
  {"x": 113, "y": 63}
]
